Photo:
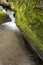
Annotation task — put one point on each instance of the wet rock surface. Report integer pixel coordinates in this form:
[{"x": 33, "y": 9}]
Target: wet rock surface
[
  {"x": 6, "y": 19},
  {"x": 13, "y": 50}
]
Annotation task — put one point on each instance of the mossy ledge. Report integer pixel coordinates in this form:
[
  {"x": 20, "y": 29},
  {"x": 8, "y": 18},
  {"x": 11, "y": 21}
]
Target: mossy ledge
[
  {"x": 30, "y": 13},
  {"x": 2, "y": 14},
  {"x": 4, "y": 17}
]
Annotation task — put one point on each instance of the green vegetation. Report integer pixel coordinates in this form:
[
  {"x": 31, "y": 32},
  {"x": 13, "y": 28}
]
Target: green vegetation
[
  {"x": 29, "y": 18},
  {"x": 2, "y": 15}
]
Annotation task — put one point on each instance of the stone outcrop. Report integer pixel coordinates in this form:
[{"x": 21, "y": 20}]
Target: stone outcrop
[
  {"x": 4, "y": 2},
  {"x": 4, "y": 17}
]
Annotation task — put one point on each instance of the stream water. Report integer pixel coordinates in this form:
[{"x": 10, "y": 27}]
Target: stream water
[
  {"x": 13, "y": 50},
  {"x": 10, "y": 25}
]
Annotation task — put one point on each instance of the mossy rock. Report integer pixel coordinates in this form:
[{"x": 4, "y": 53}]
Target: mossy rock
[
  {"x": 29, "y": 18},
  {"x": 4, "y": 17}
]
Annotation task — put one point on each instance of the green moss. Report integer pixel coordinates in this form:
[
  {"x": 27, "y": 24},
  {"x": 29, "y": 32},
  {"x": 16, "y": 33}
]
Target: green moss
[
  {"x": 28, "y": 32},
  {"x": 2, "y": 15},
  {"x": 29, "y": 18}
]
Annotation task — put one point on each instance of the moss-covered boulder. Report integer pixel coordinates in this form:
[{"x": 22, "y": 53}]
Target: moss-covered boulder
[
  {"x": 4, "y": 17},
  {"x": 29, "y": 18}
]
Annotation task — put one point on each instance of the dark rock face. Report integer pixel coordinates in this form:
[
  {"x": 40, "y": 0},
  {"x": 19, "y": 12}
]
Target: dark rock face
[
  {"x": 7, "y": 0},
  {"x": 6, "y": 7},
  {"x": 6, "y": 19},
  {"x": 14, "y": 14}
]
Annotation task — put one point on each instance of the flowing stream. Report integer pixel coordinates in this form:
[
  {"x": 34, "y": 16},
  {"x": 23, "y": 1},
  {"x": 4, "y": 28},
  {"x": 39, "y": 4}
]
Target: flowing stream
[{"x": 10, "y": 25}]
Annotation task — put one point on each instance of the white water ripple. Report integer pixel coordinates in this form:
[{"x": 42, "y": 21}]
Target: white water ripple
[{"x": 10, "y": 25}]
